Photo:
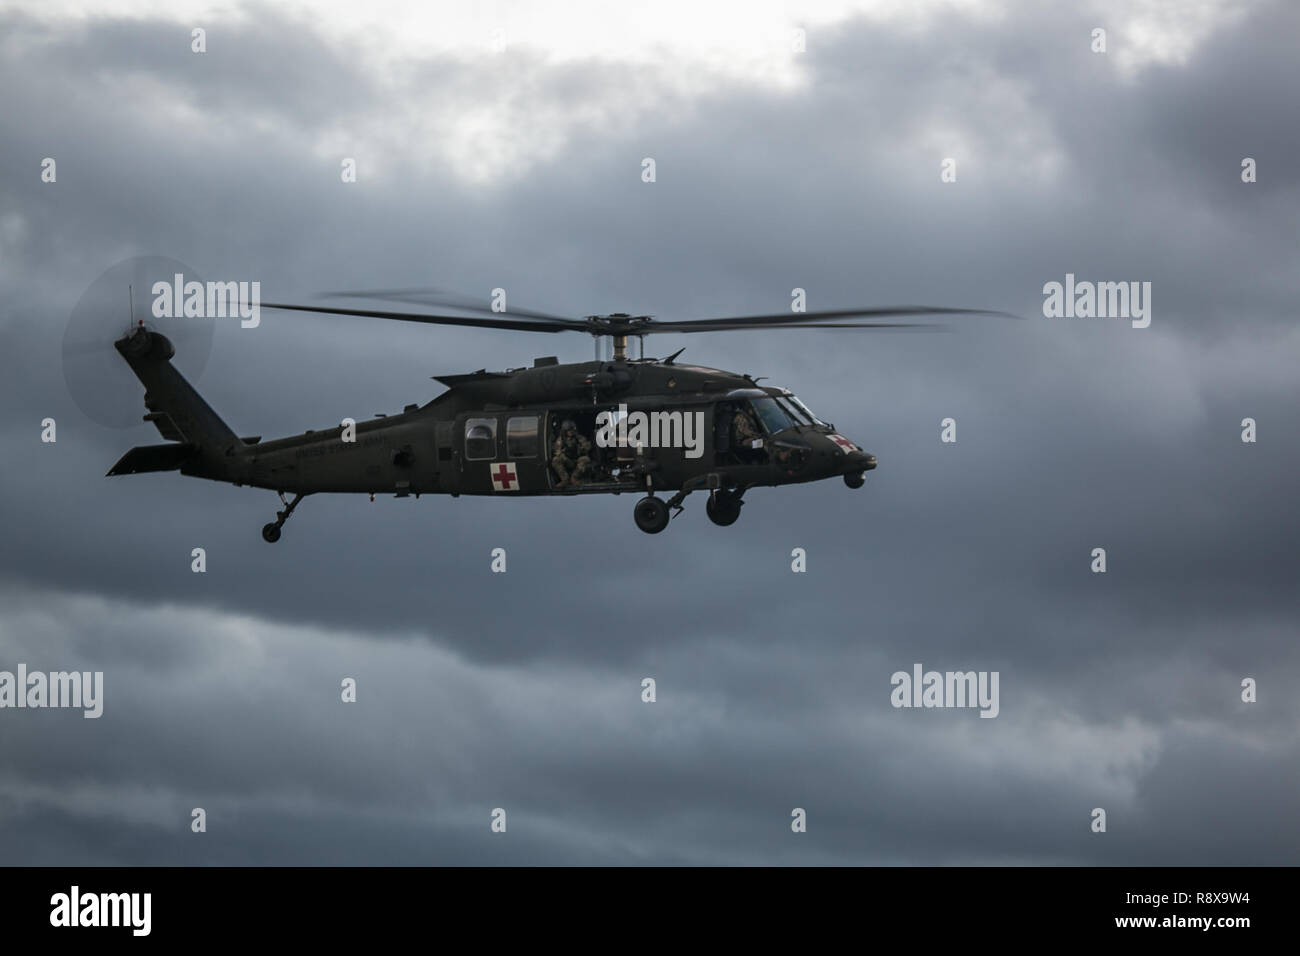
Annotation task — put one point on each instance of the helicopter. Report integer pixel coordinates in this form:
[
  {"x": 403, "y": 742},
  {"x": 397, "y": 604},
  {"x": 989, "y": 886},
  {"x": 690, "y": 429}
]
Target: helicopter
[{"x": 615, "y": 425}]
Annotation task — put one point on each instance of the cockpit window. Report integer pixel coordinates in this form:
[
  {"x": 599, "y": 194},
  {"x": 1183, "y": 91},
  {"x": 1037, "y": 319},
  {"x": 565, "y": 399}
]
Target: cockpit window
[
  {"x": 789, "y": 409},
  {"x": 774, "y": 417},
  {"x": 804, "y": 410}
]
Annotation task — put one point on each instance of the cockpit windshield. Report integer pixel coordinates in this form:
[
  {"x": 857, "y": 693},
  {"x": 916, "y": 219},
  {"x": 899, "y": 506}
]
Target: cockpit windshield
[
  {"x": 795, "y": 415},
  {"x": 775, "y": 418},
  {"x": 802, "y": 410}
]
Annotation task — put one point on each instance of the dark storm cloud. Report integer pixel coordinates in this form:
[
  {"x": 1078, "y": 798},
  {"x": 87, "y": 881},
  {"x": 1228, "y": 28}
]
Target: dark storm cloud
[{"x": 522, "y": 690}]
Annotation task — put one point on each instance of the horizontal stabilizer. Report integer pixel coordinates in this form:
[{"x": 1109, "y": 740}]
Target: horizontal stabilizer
[{"x": 144, "y": 458}]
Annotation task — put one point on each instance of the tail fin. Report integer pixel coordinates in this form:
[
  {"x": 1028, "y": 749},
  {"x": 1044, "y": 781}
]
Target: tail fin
[{"x": 178, "y": 412}]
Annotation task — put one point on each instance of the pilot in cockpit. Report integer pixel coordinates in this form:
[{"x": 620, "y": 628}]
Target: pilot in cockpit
[{"x": 745, "y": 431}]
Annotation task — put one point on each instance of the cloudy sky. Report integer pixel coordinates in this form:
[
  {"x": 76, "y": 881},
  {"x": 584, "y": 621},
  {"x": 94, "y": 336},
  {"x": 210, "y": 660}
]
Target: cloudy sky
[{"x": 501, "y": 145}]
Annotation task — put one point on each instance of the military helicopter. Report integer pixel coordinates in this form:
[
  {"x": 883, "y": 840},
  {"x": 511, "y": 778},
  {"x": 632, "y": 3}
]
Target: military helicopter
[{"x": 613, "y": 425}]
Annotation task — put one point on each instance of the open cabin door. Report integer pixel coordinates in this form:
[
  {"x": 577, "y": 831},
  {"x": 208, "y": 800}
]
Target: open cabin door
[{"x": 608, "y": 465}]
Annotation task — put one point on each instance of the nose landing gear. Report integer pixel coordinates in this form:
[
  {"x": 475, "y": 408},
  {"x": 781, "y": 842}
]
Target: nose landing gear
[{"x": 855, "y": 479}]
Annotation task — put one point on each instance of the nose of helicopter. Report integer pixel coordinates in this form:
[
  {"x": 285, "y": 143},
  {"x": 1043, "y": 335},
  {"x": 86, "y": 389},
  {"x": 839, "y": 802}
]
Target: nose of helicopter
[
  {"x": 847, "y": 457},
  {"x": 852, "y": 465},
  {"x": 855, "y": 462}
]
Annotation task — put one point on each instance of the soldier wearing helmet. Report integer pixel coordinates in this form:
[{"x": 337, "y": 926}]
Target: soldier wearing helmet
[
  {"x": 744, "y": 428},
  {"x": 571, "y": 455}
]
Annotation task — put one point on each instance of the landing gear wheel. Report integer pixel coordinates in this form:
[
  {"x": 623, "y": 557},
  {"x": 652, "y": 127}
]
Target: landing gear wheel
[
  {"x": 651, "y": 515},
  {"x": 855, "y": 479},
  {"x": 723, "y": 507},
  {"x": 271, "y": 532}
]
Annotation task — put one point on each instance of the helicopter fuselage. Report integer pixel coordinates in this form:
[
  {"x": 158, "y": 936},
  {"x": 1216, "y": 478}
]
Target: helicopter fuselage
[
  {"x": 640, "y": 426},
  {"x": 494, "y": 434}
]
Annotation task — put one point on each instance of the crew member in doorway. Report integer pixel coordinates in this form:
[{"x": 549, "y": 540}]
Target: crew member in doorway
[{"x": 571, "y": 458}]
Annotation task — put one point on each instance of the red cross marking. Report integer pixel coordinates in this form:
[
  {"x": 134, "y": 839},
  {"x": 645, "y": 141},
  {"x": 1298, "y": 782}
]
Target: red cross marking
[{"x": 504, "y": 476}]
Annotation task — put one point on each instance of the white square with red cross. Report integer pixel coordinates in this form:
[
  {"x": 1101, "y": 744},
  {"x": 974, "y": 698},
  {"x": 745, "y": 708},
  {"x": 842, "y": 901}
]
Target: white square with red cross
[
  {"x": 504, "y": 477},
  {"x": 844, "y": 443}
]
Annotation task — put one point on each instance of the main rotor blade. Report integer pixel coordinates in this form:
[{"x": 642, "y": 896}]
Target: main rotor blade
[
  {"x": 685, "y": 328},
  {"x": 813, "y": 319},
  {"x": 521, "y": 325},
  {"x": 430, "y": 295}
]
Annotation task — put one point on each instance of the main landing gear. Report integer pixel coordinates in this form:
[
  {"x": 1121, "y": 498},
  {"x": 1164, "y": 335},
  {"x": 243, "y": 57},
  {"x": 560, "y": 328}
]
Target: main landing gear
[
  {"x": 652, "y": 514},
  {"x": 723, "y": 507},
  {"x": 271, "y": 532}
]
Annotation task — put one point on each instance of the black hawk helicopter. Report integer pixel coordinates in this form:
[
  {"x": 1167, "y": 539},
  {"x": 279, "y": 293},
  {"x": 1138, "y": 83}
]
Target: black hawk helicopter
[{"x": 608, "y": 426}]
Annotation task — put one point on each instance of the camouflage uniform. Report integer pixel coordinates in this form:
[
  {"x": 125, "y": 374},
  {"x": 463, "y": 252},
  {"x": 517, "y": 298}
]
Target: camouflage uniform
[
  {"x": 743, "y": 429},
  {"x": 571, "y": 459}
]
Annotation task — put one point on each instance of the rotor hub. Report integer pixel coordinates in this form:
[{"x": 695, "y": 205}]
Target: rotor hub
[
  {"x": 618, "y": 323},
  {"x": 618, "y": 326}
]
